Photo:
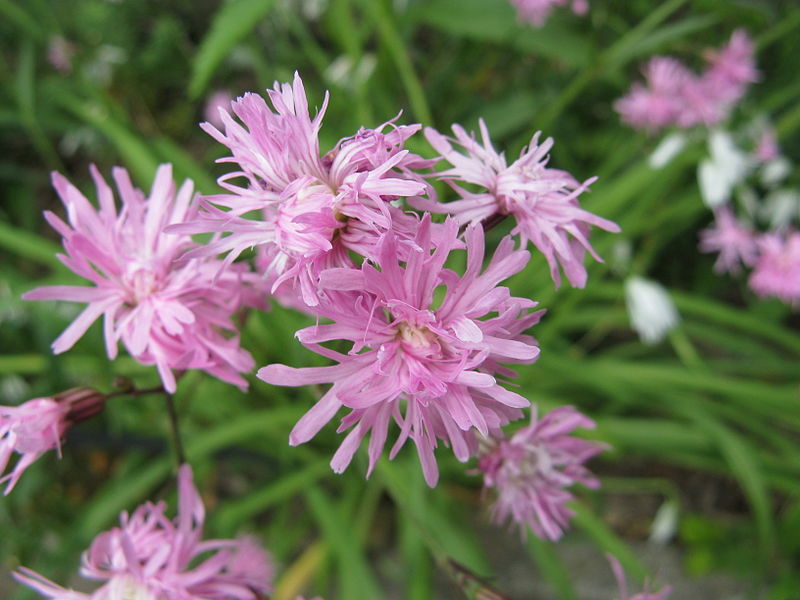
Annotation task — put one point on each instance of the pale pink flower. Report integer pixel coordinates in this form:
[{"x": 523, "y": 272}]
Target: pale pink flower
[
  {"x": 732, "y": 68},
  {"x": 673, "y": 95},
  {"x": 658, "y": 103},
  {"x": 59, "y": 53},
  {"x": 536, "y": 12},
  {"x": 152, "y": 557},
  {"x": 531, "y": 471},
  {"x": 311, "y": 210},
  {"x": 218, "y": 100},
  {"x": 174, "y": 315},
  {"x": 543, "y": 201},
  {"x": 429, "y": 368},
  {"x": 767, "y": 148},
  {"x": 735, "y": 243},
  {"x": 777, "y": 269},
  {"x": 39, "y": 425},
  {"x": 619, "y": 575}
]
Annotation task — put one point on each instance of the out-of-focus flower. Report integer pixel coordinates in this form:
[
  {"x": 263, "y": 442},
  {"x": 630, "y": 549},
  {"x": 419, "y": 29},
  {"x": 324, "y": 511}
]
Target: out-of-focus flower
[
  {"x": 312, "y": 210},
  {"x": 775, "y": 171},
  {"x": 658, "y": 103},
  {"x": 767, "y": 148},
  {"x": 732, "y": 68},
  {"x": 38, "y": 425},
  {"x": 176, "y": 315},
  {"x": 651, "y": 310},
  {"x": 619, "y": 575},
  {"x": 425, "y": 364},
  {"x": 531, "y": 471},
  {"x": 59, "y": 54},
  {"x": 543, "y": 201},
  {"x": 536, "y": 12},
  {"x": 777, "y": 269},
  {"x": 735, "y": 243},
  {"x": 152, "y": 557},
  {"x": 673, "y": 95},
  {"x": 667, "y": 149},
  {"x": 727, "y": 166},
  {"x": 218, "y": 100}
]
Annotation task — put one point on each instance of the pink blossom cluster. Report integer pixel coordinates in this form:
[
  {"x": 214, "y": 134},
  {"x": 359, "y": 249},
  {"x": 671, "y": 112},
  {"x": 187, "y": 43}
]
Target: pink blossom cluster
[
  {"x": 673, "y": 95},
  {"x": 536, "y": 12},
  {"x": 774, "y": 256},
  {"x": 415, "y": 342},
  {"x": 152, "y": 557}
]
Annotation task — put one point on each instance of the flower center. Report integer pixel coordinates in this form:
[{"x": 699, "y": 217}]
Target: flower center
[
  {"x": 141, "y": 283},
  {"x": 416, "y": 337},
  {"x": 126, "y": 588}
]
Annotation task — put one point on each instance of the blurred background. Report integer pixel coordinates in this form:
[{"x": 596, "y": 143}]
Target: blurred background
[{"x": 702, "y": 487}]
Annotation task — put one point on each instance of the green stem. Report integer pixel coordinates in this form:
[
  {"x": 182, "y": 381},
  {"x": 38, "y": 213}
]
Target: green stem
[
  {"x": 177, "y": 444},
  {"x": 397, "y": 49}
]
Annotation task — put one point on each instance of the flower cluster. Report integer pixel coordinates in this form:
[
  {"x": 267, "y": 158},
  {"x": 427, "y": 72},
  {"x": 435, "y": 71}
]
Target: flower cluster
[
  {"x": 536, "y": 12},
  {"x": 760, "y": 235},
  {"x": 675, "y": 96},
  {"x": 152, "y": 557},
  {"x": 429, "y": 347}
]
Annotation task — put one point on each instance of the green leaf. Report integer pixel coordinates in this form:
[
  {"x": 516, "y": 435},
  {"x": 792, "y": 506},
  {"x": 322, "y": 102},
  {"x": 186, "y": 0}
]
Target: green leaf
[
  {"x": 231, "y": 24},
  {"x": 357, "y": 581},
  {"x": 29, "y": 245}
]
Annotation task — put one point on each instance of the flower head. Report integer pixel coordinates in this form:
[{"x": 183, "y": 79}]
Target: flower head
[
  {"x": 651, "y": 310},
  {"x": 530, "y": 471},
  {"x": 673, "y": 95},
  {"x": 735, "y": 243},
  {"x": 174, "y": 315},
  {"x": 425, "y": 364},
  {"x": 39, "y": 425},
  {"x": 543, "y": 201},
  {"x": 536, "y": 12},
  {"x": 152, "y": 557},
  {"x": 658, "y": 103},
  {"x": 309, "y": 209},
  {"x": 777, "y": 269}
]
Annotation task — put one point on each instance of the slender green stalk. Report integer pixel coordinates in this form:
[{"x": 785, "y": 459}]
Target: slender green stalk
[
  {"x": 177, "y": 442},
  {"x": 397, "y": 49}
]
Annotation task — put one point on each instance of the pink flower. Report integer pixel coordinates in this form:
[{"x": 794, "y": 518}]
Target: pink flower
[
  {"x": 174, "y": 315},
  {"x": 60, "y": 53},
  {"x": 428, "y": 366},
  {"x": 736, "y": 244},
  {"x": 152, "y": 557},
  {"x": 543, "y": 201},
  {"x": 311, "y": 210},
  {"x": 39, "y": 425},
  {"x": 673, "y": 95},
  {"x": 777, "y": 269},
  {"x": 536, "y": 12},
  {"x": 767, "y": 148},
  {"x": 658, "y": 103},
  {"x": 732, "y": 68},
  {"x": 531, "y": 470},
  {"x": 619, "y": 575}
]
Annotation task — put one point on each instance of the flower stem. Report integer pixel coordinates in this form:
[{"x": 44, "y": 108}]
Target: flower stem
[{"x": 177, "y": 444}]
